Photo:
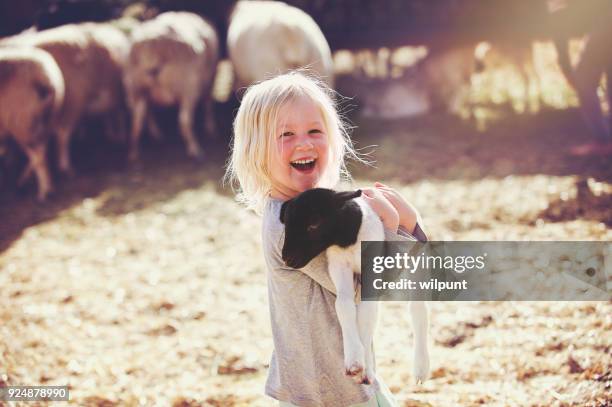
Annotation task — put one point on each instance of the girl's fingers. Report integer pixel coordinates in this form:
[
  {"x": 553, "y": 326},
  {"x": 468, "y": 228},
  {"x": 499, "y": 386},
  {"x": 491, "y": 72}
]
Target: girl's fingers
[
  {"x": 380, "y": 184},
  {"x": 387, "y": 191},
  {"x": 383, "y": 187}
]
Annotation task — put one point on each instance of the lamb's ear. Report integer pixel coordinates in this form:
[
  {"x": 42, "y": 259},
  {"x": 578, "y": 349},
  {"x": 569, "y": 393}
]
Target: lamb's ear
[
  {"x": 342, "y": 197},
  {"x": 282, "y": 212},
  {"x": 348, "y": 222}
]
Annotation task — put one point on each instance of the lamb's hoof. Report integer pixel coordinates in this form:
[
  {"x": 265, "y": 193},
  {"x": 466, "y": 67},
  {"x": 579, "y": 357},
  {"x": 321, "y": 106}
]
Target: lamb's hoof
[
  {"x": 357, "y": 372},
  {"x": 369, "y": 378},
  {"x": 354, "y": 370},
  {"x": 421, "y": 369}
]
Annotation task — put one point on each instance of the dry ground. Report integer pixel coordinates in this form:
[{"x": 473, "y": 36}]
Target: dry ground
[{"x": 146, "y": 285}]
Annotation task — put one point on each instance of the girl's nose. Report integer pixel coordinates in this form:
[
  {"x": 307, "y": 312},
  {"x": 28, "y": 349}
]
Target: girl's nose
[{"x": 304, "y": 142}]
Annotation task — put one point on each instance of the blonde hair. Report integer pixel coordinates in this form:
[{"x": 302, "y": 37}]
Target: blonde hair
[{"x": 255, "y": 128}]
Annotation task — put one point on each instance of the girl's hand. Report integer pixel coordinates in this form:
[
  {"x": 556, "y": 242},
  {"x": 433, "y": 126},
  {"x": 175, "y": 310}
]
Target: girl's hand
[
  {"x": 383, "y": 208},
  {"x": 408, "y": 215}
]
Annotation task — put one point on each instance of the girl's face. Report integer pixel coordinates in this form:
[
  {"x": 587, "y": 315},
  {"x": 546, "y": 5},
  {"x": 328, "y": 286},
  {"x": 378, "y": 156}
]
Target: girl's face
[{"x": 300, "y": 151}]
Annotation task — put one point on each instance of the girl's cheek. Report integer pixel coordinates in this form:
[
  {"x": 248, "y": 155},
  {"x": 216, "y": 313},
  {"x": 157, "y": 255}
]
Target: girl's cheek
[
  {"x": 286, "y": 147},
  {"x": 280, "y": 146}
]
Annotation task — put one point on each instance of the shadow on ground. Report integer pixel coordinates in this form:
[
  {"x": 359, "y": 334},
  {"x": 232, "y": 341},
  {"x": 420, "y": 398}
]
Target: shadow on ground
[{"x": 435, "y": 147}]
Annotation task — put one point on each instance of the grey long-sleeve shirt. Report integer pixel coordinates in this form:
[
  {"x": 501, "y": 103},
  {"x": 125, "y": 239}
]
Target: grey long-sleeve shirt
[{"x": 307, "y": 366}]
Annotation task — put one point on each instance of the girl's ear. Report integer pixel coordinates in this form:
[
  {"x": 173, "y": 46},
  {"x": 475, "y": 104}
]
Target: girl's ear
[{"x": 342, "y": 197}]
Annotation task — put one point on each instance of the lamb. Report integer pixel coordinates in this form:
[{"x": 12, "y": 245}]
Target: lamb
[
  {"x": 336, "y": 222},
  {"x": 91, "y": 58},
  {"x": 172, "y": 61},
  {"x": 267, "y": 38},
  {"x": 31, "y": 95}
]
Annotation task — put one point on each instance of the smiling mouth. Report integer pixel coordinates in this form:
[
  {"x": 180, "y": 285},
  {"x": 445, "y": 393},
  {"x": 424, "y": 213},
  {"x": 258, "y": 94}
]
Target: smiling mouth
[{"x": 304, "y": 165}]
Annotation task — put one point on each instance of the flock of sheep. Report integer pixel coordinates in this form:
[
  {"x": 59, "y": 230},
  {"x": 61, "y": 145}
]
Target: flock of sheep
[
  {"x": 52, "y": 79},
  {"x": 118, "y": 71}
]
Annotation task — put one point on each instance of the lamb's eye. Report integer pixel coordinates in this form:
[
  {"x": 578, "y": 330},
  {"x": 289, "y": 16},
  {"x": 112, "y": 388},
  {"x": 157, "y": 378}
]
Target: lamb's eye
[{"x": 312, "y": 228}]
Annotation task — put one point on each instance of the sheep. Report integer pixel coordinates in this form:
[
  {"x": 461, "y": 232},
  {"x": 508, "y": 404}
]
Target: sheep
[
  {"x": 172, "y": 61},
  {"x": 266, "y": 38},
  {"x": 439, "y": 81},
  {"x": 31, "y": 95},
  {"x": 388, "y": 98},
  {"x": 594, "y": 61},
  {"x": 91, "y": 57},
  {"x": 321, "y": 220}
]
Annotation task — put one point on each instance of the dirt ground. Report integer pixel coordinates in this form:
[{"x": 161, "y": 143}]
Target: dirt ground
[{"x": 145, "y": 285}]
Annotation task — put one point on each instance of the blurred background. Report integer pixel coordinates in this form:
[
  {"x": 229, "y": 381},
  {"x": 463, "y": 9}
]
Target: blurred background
[{"x": 130, "y": 273}]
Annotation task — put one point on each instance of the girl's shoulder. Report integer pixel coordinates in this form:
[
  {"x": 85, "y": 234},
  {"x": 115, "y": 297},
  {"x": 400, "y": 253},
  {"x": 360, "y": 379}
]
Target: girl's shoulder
[
  {"x": 272, "y": 230},
  {"x": 271, "y": 216}
]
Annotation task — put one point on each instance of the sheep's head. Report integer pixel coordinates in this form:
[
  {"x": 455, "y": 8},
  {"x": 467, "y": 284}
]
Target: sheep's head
[{"x": 317, "y": 219}]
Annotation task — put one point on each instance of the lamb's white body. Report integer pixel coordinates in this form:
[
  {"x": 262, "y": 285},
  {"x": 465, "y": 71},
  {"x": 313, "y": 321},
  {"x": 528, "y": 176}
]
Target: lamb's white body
[{"x": 358, "y": 321}]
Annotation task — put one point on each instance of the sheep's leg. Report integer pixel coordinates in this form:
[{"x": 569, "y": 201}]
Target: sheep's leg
[
  {"x": 37, "y": 157},
  {"x": 139, "y": 112},
  {"x": 418, "y": 311},
  {"x": 209, "y": 117},
  {"x": 367, "y": 317},
  {"x": 26, "y": 174},
  {"x": 609, "y": 95},
  {"x": 186, "y": 112},
  {"x": 590, "y": 107},
  {"x": 354, "y": 355},
  {"x": 587, "y": 74},
  {"x": 153, "y": 127},
  {"x": 534, "y": 86},
  {"x": 63, "y": 149},
  {"x": 208, "y": 108},
  {"x": 115, "y": 126}
]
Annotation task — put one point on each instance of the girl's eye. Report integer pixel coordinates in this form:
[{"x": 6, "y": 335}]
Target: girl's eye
[
  {"x": 287, "y": 134},
  {"x": 315, "y": 131}
]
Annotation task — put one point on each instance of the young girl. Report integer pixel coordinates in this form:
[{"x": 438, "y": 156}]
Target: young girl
[{"x": 289, "y": 138}]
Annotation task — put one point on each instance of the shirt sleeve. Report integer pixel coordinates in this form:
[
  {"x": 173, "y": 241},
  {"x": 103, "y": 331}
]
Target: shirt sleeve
[
  {"x": 316, "y": 269},
  {"x": 418, "y": 233}
]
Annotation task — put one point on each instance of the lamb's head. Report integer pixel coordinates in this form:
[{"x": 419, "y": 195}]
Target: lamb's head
[{"x": 317, "y": 219}]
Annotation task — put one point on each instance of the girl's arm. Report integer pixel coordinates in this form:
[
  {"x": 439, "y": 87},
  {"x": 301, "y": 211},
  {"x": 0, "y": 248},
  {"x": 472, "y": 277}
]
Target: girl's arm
[
  {"x": 408, "y": 215},
  {"x": 398, "y": 215}
]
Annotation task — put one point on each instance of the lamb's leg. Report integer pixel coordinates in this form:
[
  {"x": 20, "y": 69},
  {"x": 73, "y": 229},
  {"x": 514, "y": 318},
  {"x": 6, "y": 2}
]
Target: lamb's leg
[
  {"x": 418, "y": 311},
  {"x": 354, "y": 355},
  {"x": 367, "y": 317}
]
